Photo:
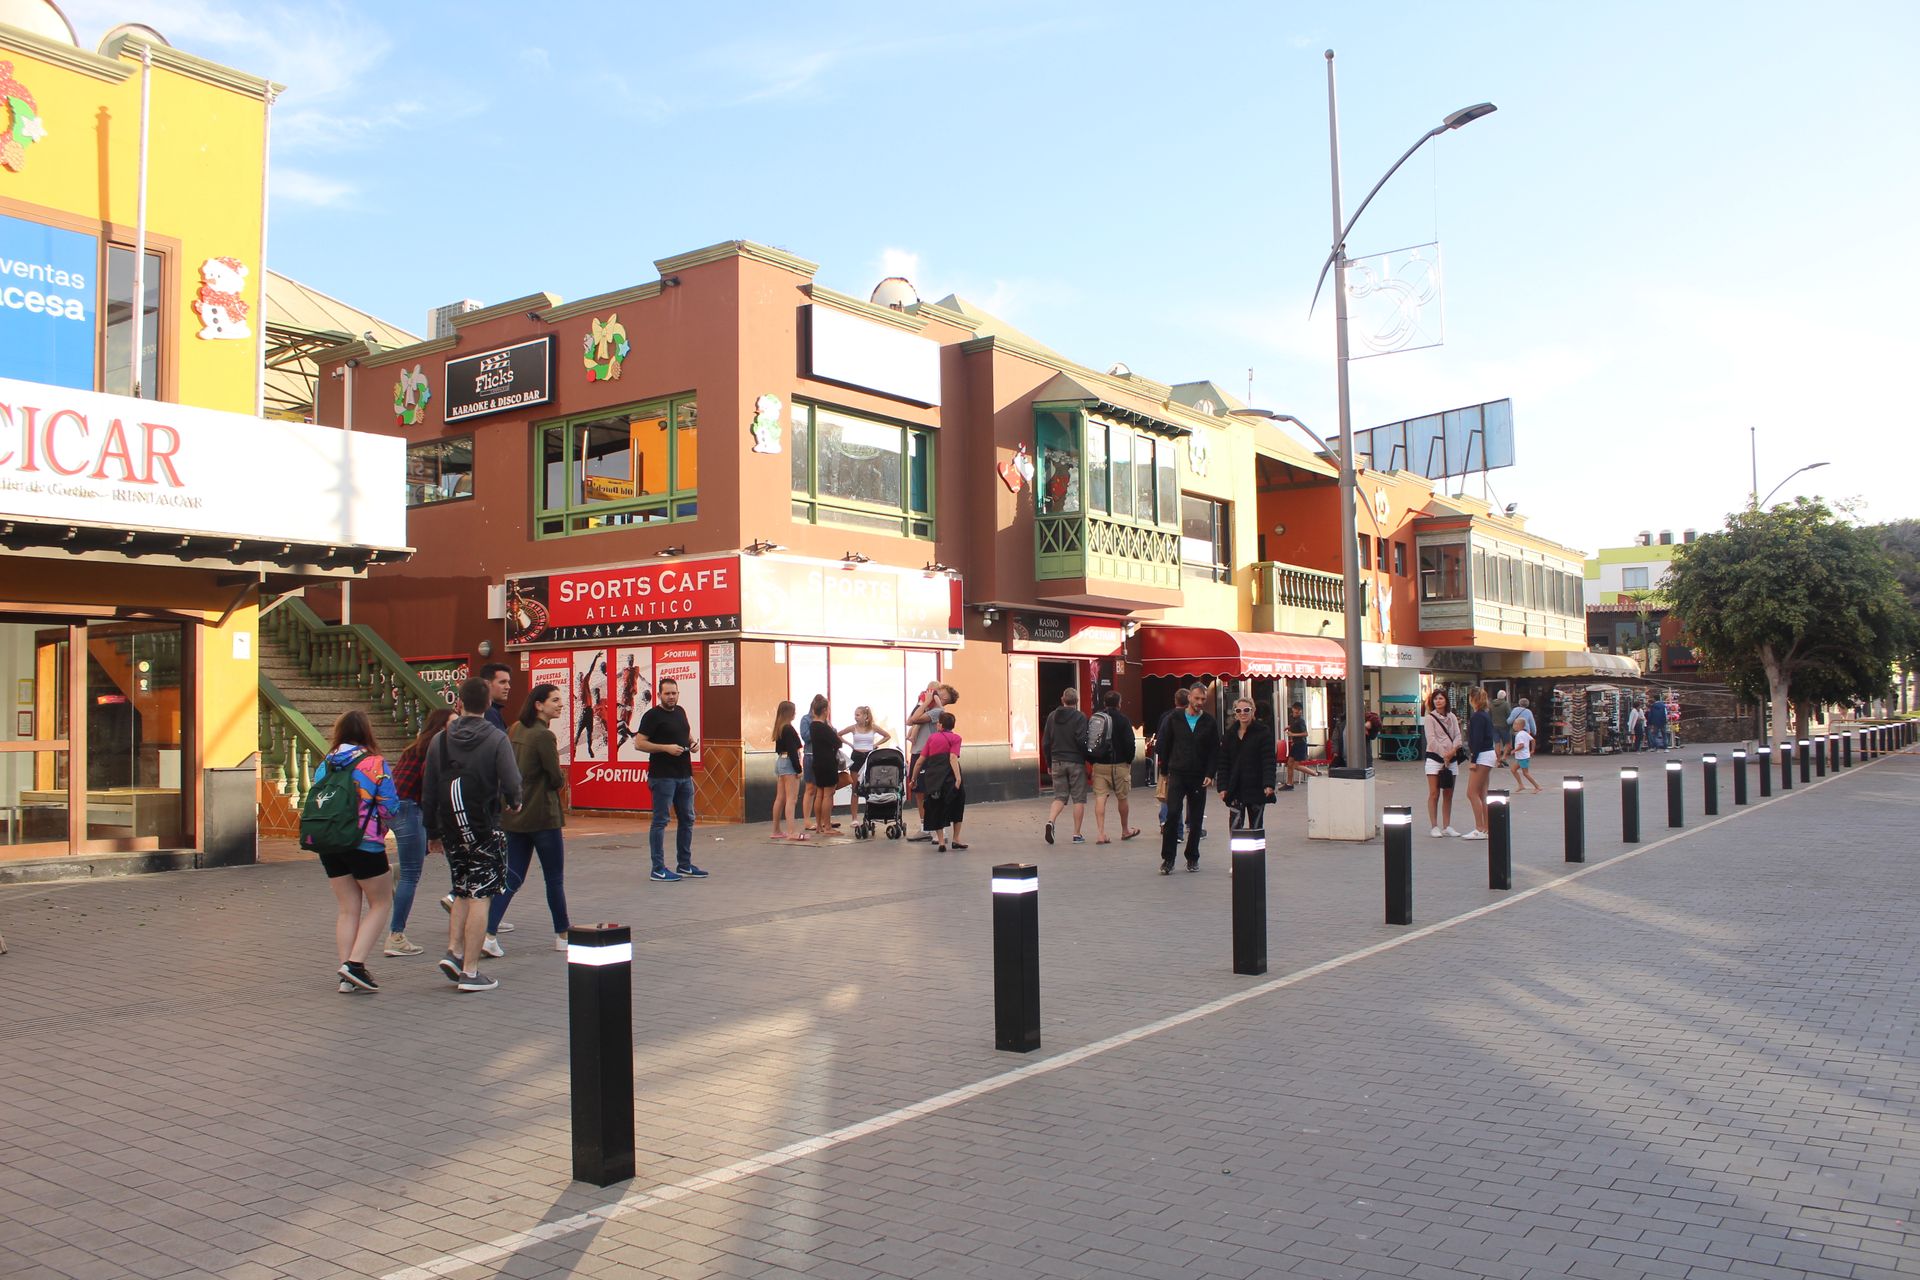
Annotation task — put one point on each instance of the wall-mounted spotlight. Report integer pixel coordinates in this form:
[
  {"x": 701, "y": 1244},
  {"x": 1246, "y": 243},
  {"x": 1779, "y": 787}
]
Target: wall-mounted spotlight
[
  {"x": 670, "y": 282},
  {"x": 854, "y": 559},
  {"x": 534, "y": 316},
  {"x": 668, "y": 552},
  {"x": 1130, "y": 628},
  {"x": 760, "y": 547},
  {"x": 989, "y": 615},
  {"x": 934, "y": 566}
]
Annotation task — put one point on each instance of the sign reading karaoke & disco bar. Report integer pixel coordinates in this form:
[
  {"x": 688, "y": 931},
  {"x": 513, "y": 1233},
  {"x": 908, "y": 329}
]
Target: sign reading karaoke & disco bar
[{"x": 496, "y": 381}]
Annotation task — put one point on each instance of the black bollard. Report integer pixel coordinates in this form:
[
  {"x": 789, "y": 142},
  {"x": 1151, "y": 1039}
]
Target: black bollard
[
  {"x": 1630, "y": 805},
  {"x": 1866, "y": 743},
  {"x": 600, "y": 1051},
  {"x": 1806, "y": 760},
  {"x": 1710, "y": 783},
  {"x": 1396, "y": 830},
  {"x": 1499, "y": 841},
  {"x": 1786, "y": 766},
  {"x": 1016, "y": 957},
  {"x": 1739, "y": 777},
  {"x": 1249, "y": 849},
  {"x": 1820, "y": 755},
  {"x": 1573, "y": 799},
  {"x": 1846, "y": 748},
  {"x": 1676, "y": 794},
  {"x": 1833, "y": 752},
  {"x": 1765, "y": 772}
]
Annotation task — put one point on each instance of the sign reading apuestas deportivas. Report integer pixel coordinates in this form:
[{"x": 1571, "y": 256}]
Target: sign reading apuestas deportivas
[
  {"x": 679, "y": 598},
  {"x": 101, "y": 461},
  {"x": 496, "y": 381}
]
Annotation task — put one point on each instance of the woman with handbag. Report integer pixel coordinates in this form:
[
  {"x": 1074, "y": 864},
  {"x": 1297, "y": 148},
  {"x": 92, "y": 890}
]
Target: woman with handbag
[
  {"x": 1244, "y": 768},
  {"x": 1482, "y": 752},
  {"x": 937, "y": 776},
  {"x": 1443, "y": 749}
]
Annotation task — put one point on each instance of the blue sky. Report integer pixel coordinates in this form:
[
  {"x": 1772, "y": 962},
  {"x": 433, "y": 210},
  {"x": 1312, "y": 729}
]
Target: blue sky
[{"x": 1684, "y": 220}]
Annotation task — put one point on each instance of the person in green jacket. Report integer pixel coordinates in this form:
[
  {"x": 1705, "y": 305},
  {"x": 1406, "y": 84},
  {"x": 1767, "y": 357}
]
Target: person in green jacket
[{"x": 535, "y": 829}]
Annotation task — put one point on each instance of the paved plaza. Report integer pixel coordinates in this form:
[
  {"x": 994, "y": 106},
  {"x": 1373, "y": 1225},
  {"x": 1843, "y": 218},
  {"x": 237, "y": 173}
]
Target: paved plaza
[{"x": 1695, "y": 1057}]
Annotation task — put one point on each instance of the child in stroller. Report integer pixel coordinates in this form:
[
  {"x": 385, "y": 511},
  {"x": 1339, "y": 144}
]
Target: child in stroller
[{"x": 881, "y": 788}]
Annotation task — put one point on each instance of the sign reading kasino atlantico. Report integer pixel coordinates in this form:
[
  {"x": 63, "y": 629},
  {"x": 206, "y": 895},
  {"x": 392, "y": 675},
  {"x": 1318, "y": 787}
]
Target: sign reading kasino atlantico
[
  {"x": 686, "y": 597},
  {"x": 496, "y": 381}
]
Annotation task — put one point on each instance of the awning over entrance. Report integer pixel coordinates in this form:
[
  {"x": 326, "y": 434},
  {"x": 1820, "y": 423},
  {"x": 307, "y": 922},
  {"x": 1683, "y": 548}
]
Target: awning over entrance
[
  {"x": 1199, "y": 651},
  {"x": 1554, "y": 666}
]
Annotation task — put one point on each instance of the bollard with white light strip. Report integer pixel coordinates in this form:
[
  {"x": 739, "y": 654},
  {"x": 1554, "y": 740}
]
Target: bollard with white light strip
[
  {"x": 1786, "y": 766},
  {"x": 1396, "y": 830},
  {"x": 1630, "y": 805},
  {"x": 1765, "y": 771},
  {"x": 1016, "y": 957},
  {"x": 1676, "y": 794},
  {"x": 1249, "y": 849},
  {"x": 1833, "y": 752},
  {"x": 1710, "y": 783},
  {"x": 1820, "y": 755},
  {"x": 1806, "y": 760},
  {"x": 1499, "y": 841},
  {"x": 1866, "y": 744},
  {"x": 1573, "y": 799},
  {"x": 1846, "y": 748},
  {"x": 600, "y": 1047},
  {"x": 1739, "y": 777}
]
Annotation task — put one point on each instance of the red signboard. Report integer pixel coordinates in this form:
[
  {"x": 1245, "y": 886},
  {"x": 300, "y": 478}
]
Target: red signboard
[
  {"x": 673, "y": 598},
  {"x": 607, "y": 691}
]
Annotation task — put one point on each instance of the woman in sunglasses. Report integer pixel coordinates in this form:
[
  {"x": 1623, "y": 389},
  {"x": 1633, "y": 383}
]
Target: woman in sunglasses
[{"x": 1244, "y": 771}]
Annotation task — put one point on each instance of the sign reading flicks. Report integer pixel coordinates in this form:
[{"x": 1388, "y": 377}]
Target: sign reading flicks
[{"x": 496, "y": 381}]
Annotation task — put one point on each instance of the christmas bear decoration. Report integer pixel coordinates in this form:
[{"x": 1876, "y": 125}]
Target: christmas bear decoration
[
  {"x": 22, "y": 120},
  {"x": 222, "y": 311},
  {"x": 766, "y": 424}
]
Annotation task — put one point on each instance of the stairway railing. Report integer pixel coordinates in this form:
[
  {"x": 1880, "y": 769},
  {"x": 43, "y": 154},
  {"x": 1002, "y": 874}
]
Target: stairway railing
[
  {"x": 290, "y": 747},
  {"x": 353, "y": 656}
]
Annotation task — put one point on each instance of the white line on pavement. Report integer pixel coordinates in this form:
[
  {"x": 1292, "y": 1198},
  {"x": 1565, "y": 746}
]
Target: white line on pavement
[{"x": 493, "y": 1251}]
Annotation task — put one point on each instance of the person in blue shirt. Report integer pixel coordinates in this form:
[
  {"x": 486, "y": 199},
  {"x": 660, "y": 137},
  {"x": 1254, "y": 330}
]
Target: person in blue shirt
[
  {"x": 1657, "y": 723},
  {"x": 1521, "y": 717},
  {"x": 361, "y": 878}
]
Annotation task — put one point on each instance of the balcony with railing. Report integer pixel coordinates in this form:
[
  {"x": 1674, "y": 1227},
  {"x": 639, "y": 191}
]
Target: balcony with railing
[{"x": 1293, "y": 600}]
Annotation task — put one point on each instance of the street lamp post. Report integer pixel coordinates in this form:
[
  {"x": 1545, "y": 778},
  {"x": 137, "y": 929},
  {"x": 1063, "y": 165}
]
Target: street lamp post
[{"x": 1783, "y": 484}]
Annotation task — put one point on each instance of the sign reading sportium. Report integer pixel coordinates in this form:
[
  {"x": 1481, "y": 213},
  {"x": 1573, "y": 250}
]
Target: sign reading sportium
[
  {"x": 47, "y": 303},
  {"x": 496, "y": 381}
]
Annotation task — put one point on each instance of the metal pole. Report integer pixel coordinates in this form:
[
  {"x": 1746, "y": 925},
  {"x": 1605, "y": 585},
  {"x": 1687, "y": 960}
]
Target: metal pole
[
  {"x": 346, "y": 584},
  {"x": 1499, "y": 841},
  {"x": 1740, "y": 778},
  {"x": 1249, "y": 850},
  {"x": 1630, "y": 805},
  {"x": 600, "y": 1051},
  {"x": 1710, "y": 783},
  {"x": 260, "y": 316},
  {"x": 1573, "y": 795},
  {"x": 137, "y": 354},
  {"x": 1356, "y": 743},
  {"x": 1396, "y": 827},
  {"x": 1676, "y": 780},
  {"x": 1016, "y": 957},
  {"x": 1765, "y": 771}
]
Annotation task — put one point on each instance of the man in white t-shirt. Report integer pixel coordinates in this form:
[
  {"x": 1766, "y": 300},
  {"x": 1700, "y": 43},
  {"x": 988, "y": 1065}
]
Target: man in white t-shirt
[{"x": 1520, "y": 760}]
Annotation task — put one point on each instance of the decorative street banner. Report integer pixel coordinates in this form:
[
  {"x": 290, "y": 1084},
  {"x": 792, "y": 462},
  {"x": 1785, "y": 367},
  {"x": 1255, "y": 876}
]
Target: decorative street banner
[
  {"x": 1393, "y": 302},
  {"x": 47, "y": 292},
  {"x": 607, "y": 692},
  {"x": 675, "y": 598},
  {"x": 496, "y": 381}
]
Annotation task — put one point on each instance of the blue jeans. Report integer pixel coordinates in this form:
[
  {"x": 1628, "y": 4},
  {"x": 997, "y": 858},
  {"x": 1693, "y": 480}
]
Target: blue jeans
[
  {"x": 674, "y": 794},
  {"x": 410, "y": 842},
  {"x": 521, "y": 850}
]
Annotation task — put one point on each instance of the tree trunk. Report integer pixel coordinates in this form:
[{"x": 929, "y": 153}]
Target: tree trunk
[{"x": 1781, "y": 726}]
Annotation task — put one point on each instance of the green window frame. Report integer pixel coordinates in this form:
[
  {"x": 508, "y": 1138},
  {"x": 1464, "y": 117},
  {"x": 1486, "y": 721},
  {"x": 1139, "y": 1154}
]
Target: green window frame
[
  {"x": 617, "y": 468},
  {"x": 857, "y": 471},
  {"x": 1129, "y": 475}
]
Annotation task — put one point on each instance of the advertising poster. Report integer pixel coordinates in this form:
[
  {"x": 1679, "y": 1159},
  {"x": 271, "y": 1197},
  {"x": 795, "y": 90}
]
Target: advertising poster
[
  {"x": 443, "y": 675},
  {"x": 607, "y": 691},
  {"x": 47, "y": 303}
]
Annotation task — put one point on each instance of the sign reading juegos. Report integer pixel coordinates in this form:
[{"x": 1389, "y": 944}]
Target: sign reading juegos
[
  {"x": 679, "y": 598},
  {"x": 114, "y": 462}
]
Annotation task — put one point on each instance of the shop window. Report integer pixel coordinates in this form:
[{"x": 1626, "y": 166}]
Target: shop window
[
  {"x": 1399, "y": 559},
  {"x": 1443, "y": 572},
  {"x": 1168, "y": 473},
  {"x": 865, "y": 473},
  {"x": 1143, "y": 472},
  {"x": 1633, "y": 578},
  {"x": 117, "y": 365},
  {"x": 628, "y": 467},
  {"x": 1366, "y": 551},
  {"x": 439, "y": 470},
  {"x": 1097, "y": 469},
  {"x": 1123, "y": 475},
  {"x": 1057, "y": 462},
  {"x": 1380, "y": 553},
  {"x": 1480, "y": 567},
  {"x": 1205, "y": 549}
]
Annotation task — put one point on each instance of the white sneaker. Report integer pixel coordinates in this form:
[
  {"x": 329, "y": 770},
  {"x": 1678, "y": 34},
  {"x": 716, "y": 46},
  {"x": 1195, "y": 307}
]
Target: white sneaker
[
  {"x": 1474, "y": 835},
  {"x": 492, "y": 947},
  {"x": 559, "y": 942},
  {"x": 1449, "y": 832},
  {"x": 1436, "y": 832},
  {"x": 506, "y": 926}
]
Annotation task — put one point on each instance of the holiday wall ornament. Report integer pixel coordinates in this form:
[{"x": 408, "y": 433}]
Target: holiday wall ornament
[
  {"x": 23, "y": 126},
  {"x": 411, "y": 395},
  {"x": 603, "y": 348},
  {"x": 222, "y": 311},
  {"x": 766, "y": 424},
  {"x": 1017, "y": 472},
  {"x": 1197, "y": 455}
]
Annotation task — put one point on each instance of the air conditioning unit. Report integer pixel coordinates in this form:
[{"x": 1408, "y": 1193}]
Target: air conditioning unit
[
  {"x": 1666, "y": 537},
  {"x": 440, "y": 319},
  {"x": 1643, "y": 538},
  {"x": 1688, "y": 535}
]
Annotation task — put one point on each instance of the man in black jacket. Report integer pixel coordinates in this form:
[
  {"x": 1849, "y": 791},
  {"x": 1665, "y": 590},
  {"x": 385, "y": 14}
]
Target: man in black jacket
[
  {"x": 1186, "y": 749},
  {"x": 469, "y": 776}
]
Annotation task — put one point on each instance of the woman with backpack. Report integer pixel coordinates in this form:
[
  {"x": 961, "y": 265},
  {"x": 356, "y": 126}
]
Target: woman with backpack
[
  {"x": 533, "y": 830},
  {"x": 409, "y": 833},
  {"x": 353, "y": 781}
]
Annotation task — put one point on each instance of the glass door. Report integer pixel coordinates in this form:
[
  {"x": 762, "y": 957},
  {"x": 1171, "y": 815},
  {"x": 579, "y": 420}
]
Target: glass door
[
  {"x": 135, "y": 734},
  {"x": 36, "y": 782}
]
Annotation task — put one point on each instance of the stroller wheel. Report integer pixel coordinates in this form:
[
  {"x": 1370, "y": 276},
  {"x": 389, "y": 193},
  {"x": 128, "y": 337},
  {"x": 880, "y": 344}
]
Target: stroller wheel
[{"x": 895, "y": 830}]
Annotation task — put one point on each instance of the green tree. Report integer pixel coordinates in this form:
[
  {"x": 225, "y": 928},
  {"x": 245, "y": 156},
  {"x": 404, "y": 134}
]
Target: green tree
[{"x": 1793, "y": 605}]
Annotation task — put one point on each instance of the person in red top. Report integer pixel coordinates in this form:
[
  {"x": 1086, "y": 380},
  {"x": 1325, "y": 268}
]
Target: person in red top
[
  {"x": 937, "y": 776},
  {"x": 409, "y": 835}
]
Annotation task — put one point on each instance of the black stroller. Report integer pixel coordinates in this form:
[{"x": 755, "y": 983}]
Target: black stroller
[{"x": 882, "y": 789}]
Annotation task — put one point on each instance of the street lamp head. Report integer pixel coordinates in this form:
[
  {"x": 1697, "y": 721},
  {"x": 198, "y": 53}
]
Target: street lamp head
[{"x": 1467, "y": 115}]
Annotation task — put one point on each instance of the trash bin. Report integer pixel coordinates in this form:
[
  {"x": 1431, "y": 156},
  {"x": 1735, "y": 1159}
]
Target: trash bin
[{"x": 232, "y": 823}]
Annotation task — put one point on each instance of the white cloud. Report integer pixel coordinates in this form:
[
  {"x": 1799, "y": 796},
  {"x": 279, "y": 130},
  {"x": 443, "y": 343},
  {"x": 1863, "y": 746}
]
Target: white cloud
[
  {"x": 298, "y": 186},
  {"x": 536, "y": 58},
  {"x": 900, "y": 262}
]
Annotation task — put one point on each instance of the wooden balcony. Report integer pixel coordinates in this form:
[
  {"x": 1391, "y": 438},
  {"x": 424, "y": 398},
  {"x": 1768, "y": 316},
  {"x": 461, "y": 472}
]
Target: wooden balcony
[
  {"x": 1098, "y": 561},
  {"x": 1293, "y": 600}
]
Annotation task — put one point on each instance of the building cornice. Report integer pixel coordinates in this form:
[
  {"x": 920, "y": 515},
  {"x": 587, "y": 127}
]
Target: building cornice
[
  {"x": 604, "y": 302},
  {"x": 737, "y": 249},
  {"x": 852, "y": 306},
  {"x": 541, "y": 302},
  {"x": 400, "y": 355},
  {"x": 934, "y": 311},
  {"x": 127, "y": 47},
  {"x": 14, "y": 40},
  {"x": 1160, "y": 393}
]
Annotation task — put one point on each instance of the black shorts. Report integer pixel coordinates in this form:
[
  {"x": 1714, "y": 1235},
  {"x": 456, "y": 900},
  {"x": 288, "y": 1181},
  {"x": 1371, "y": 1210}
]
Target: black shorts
[
  {"x": 361, "y": 864},
  {"x": 478, "y": 870}
]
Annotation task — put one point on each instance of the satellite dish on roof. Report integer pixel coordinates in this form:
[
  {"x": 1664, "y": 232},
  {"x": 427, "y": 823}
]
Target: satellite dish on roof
[
  {"x": 138, "y": 31},
  {"x": 40, "y": 17},
  {"x": 1119, "y": 371},
  {"x": 895, "y": 293}
]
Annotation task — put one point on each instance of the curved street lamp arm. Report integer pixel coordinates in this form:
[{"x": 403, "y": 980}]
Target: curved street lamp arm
[
  {"x": 1760, "y": 505},
  {"x": 1405, "y": 156}
]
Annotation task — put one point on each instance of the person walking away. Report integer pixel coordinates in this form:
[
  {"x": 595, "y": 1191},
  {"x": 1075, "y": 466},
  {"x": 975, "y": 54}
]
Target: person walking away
[
  {"x": 938, "y": 774},
  {"x": 1064, "y": 739},
  {"x": 1520, "y": 760},
  {"x": 786, "y": 772},
  {"x": 1186, "y": 752},
  {"x": 535, "y": 830},
  {"x": 1153, "y": 751},
  {"x": 1501, "y": 711},
  {"x": 667, "y": 738},
  {"x": 1637, "y": 727},
  {"x": 409, "y": 835},
  {"x": 922, "y": 722},
  {"x": 1481, "y": 755},
  {"x": 862, "y": 736},
  {"x": 1297, "y": 747},
  {"x": 1444, "y": 746},
  {"x": 499, "y": 678},
  {"x": 1111, "y": 749},
  {"x": 469, "y": 779},
  {"x": 344, "y": 821},
  {"x": 808, "y": 800},
  {"x": 1245, "y": 767},
  {"x": 825, "y": 740},
  {"x": 1657, "y": 723}
]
